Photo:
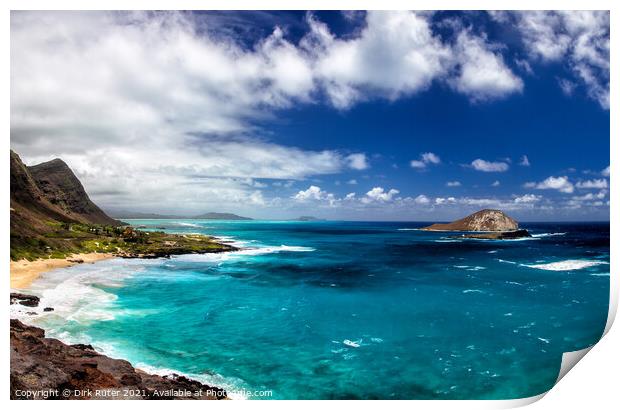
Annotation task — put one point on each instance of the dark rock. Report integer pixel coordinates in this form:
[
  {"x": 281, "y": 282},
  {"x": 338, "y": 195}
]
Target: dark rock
[
  {"x": 45, "y": 364},
  {"x": 519, "y": 233},
  {"x": 24, "y": 299},
  {"x": 48, "y": 309},
  {"x": 82, "y": 346}
]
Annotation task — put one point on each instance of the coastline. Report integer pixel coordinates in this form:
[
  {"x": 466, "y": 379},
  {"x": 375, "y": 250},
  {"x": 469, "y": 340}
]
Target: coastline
[
  {"x": 24, "y": 272},
  {"x": 121, "y": 375},
  {"x": 64, "y": 371}
]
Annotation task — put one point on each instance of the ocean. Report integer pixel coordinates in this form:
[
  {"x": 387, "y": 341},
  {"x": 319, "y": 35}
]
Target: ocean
[{"x": 345, "y": 310}]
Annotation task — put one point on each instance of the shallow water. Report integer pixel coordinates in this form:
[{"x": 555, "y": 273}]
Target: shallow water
[{"x": 346, "y": 309}]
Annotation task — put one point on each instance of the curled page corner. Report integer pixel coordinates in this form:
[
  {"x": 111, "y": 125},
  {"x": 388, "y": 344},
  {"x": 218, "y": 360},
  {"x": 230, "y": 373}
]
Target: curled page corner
[{"x": 569, "y": 360}]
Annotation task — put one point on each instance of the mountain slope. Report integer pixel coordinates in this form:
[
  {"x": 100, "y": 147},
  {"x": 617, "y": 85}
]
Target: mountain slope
[
  {"x": 44, "y": 201},
  {"x": 64, "y": 190},
  {"x": 30, "y": 208},
  {"x": 484, "y": 220}
]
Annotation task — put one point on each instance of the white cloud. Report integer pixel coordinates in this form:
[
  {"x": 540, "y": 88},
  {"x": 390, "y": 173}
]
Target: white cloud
[
  {"x": 395, "y": 54},
  {"x": 561, "y": 184},
  {"x": 425, "y": 159},
  {"x": 352, "y": 182},
  {"x": 483, "y": 74},
  {"x": 579, "y": 200},
  {"x": 495, "y": 183},
  {"x": 605, "y": 172},
  {"x": 581, "y": 38},
  {"x": 350, "y": 196},
  {"x": 527, "y": 198},
  {"x": 593, "y": 184},
  {"x": 525, "y": 162},
  {"x": 489, "y": 166},
  {"x": 430, "y": 158},
  {"x": 379, "y": 194},
  {"x": 315, "y": 193},
  {"x": 171, "y": 108},
  {"x": 443, "y": 201},
  {"x": 422, "y": 200},
  {"x": 453, "y": 183},
  {"x": 357, "y": 161}
]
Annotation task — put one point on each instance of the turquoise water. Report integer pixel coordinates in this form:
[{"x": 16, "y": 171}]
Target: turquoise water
[{"x": 346, "y": 309}]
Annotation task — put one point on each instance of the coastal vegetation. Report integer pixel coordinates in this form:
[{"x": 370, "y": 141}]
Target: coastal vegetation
[
  {"x": 53, "y": 217},
  {"x": 65, "y": 239}
]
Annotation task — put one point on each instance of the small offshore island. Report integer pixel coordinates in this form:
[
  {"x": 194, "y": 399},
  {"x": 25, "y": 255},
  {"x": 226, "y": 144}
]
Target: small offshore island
[
  {"x": 54, "y": 224},
  {"x": 491, "y": 223}
]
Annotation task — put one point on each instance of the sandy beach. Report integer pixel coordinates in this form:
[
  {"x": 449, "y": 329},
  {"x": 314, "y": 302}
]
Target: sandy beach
[{"x": 24, "y": 272}]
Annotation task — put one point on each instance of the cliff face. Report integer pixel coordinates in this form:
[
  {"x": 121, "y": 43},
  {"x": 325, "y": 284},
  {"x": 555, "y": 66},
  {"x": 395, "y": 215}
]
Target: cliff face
[
  {"x": 63, "y": 189},
  {"x": 43, "y": 197},
  {"x": 49, "y": 192},
  {"x": 485, "y": 220},
  {"x": 40, "y": 364}
]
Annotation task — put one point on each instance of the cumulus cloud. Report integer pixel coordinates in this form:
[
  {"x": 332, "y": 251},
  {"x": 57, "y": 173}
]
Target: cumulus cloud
[
  {"x": 579, "y": 37},
  {"x": 443, "y": 201},
  {"x": 395, "y": 54},
  {"x": 495, "y": 183},
  {"x": 593, "y": 184},
  {"x": 126, "y": 98},
  {"x": 379, "y": 194},
  {"x": 159, "y": 106},
  {"x": 590, "y": 196},
  {"x": 561, "y": 184},
  {"x": 527, "y": 198},
  {"x": 453, "y": 183},
  {"x": 315, "y": 193},
  {"x": 605, "y": 172},
  {"x": 425, "y": 159},
  {"x": 357, "y": 161},
  {"x": 422, "y": 200},
  {"x": 489, "y": 166},
  {"x": 482, "y": 74}
]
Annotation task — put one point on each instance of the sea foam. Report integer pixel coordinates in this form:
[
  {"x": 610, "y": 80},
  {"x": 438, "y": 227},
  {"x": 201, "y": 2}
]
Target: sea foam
[
  {"x": 571, "y": 264},
  {"x": 544, "y": 235}
]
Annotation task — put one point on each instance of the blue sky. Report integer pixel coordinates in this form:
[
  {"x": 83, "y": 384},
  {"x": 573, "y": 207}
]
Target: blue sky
[{"x": 343, "y": 115}]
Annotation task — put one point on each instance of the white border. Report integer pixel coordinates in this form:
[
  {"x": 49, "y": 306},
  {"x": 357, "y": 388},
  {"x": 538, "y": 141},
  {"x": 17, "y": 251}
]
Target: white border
[{"x": 592, "y": 384}]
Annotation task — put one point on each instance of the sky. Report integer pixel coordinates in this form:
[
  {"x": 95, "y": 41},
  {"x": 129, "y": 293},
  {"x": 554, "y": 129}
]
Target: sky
[{"x": 422, "y": 116}]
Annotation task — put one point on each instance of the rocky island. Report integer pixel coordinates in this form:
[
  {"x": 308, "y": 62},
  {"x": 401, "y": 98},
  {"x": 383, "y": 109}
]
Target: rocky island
[{"x": 490, "y": 223}]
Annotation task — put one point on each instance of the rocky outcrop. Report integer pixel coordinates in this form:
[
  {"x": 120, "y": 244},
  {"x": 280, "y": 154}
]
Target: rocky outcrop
[
  {"x": 487, "y": 220},
  {"x": 63, "y": 189},
  {"x": 48, "y": 368},
  {"x": 50, "y": 192},
  {"x": 24, "y": 299},
  {"x": 519, "y": 233}
]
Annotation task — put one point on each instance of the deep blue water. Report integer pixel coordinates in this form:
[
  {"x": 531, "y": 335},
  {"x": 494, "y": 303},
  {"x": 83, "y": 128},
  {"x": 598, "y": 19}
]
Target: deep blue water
[{"x": 424, "y": 316}]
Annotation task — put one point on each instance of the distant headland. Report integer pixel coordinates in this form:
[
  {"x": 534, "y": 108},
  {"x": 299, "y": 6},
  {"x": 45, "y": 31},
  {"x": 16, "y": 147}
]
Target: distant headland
[{"x": 224, "y": 216}]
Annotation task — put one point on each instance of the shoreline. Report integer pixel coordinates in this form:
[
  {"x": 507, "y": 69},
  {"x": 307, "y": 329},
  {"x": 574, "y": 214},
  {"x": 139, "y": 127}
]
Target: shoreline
[
  {"x": 82, "y": 368},
  {"x": 24, "y": 272},
  {"x": 161, "y": 384}
]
